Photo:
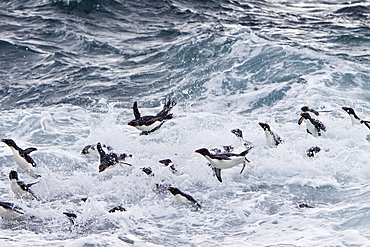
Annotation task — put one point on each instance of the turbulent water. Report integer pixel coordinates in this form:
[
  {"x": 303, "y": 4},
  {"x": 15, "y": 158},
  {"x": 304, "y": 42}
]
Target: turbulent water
[{"x": 71, "y": 70}]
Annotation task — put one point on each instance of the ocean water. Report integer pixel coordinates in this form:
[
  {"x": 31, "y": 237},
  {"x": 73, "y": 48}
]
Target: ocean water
[{"x": 71, "y": 70}]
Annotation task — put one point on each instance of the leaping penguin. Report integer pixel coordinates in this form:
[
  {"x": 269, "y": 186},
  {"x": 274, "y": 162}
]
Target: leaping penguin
[
  {"x": 224, "y": 160},
  {"x": 272, "y": 139},
  {"x": 182, "y": 198},
  {"x": 149, "y": 124},
  {"x": 19, "y": 188},
  {"x": 108, "y": 160},
  {"x": 22, "y": 158},
  {"x": 354, "y": 118},
  {"x": 313, "y": 126}
]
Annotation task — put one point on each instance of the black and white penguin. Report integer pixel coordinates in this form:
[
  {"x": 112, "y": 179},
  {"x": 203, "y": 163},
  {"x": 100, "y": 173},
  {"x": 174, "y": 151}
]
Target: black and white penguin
[
  {"x": 272, "y": 139},
  {"x": 182, "y": 198},
  {"x": 312, "y": 151},
  {"x": 19, "y": 188},
  {"x": 108, "y": 160},
  {"x": 224, "y": 160},
  {"x": 167, "y": 162},
  {"x": 148, "y": 171},
  {"x": 355, "y": 120},
  {"x": 239, "y": 134},
  {"x": 313, "y": 126},
  {"x": 71, "y": 217},
  {"x": 22, "y": 158},
  {"x": 117, "y": 209},
  {"x": 8, "y": 211},
  {"x": 149, "y": 124}
]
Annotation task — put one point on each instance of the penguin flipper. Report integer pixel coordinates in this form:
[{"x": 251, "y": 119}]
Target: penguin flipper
[
  {"x": 300, "y": 120},
  {"x": 136, "y": 110},
  {"x": 29, "y": 185},
  {"x": 218, "y": 174},
  {"x": 367, "y": 123},
  {"x": 29, "y": 150},
  {"x": 243, "y": 168}
]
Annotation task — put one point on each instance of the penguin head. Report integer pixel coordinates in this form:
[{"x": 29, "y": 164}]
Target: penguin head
[
  {"x": 349, "y": 110},
  {"x": 9, "y": 142},
  {"x": 203, "y": 151},
  {"x": 305, "y": 109},
  {"x": 165, "y": 162},
  {"x": 264, "y": 126},
  {"x": 306, "y": 115},
  {"x": 13, "y": 175},
  {"x": 237, "y": 132},
  {"x": 133, "y": 123},
  {"x": 174, "y": 191}
]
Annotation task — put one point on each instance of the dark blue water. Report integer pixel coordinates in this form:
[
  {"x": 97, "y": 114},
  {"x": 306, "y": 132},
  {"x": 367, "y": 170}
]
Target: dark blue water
[{"x": 71, "y": 70}]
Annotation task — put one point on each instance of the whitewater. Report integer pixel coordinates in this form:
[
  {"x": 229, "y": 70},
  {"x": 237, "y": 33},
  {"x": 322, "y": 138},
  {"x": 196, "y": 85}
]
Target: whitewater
[{"x": 70, "y": 72}]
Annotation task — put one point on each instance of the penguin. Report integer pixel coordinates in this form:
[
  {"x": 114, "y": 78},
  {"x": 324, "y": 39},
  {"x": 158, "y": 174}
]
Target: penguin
[
  {"x": 22, "y": 158},
  {"x": 148, "y": 171},
  {"x": 182, "y": 198},
  {"x": 19, "y": 188},
  {"x": 272, "y": 139},
  {"x": 117, "y": 209},
  {"x": 71, "y": 217},
  {"x": 108, "y": 160},
  {"x": 354, "y": 118},
  {"x": 313, "y": 126},
  {"x": 239, "y": 134},
  {"x": 8, "y": 211},
  {"x": 312, "y": 151},
  {"x": 149, "y": 124},
  {"x": 167, "y": 162},
  {"x": 224, "y": 160}
]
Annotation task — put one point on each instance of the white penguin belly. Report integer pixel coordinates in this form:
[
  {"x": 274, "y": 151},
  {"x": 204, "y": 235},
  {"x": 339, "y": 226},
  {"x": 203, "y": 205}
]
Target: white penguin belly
[
  {"x": 225, "y": 164},
  {"x": 312, "y": 129},
  {"x": 150, "y": 127}
]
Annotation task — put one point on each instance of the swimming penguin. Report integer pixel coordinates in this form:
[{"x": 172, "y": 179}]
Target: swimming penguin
[
  {"x": 149, "y": 124},
  {"x": 354, "y": 118},
  {"x": 148, "y": 171},
  {"x": 8, "y": 211},
  {"x": 224, "y": 160},
  {"x": 238, "y": 133},
  {"x": 117, "y": 209},
  {"x": 313, "y": 126},
  {"x": 19, "y": 188},
  {"x": 22, "y": 158},
  {"x": 182, "y": 198},
  {"x": 71, "y": 216},
  {"x": 272, "y": 139},
  {"x": 167, "y": 162},
  {"x": 312, "y": 151},
  {"x": 108, "y": 160}
]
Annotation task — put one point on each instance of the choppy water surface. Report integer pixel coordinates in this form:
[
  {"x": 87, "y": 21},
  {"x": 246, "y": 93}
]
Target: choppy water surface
[{"x": 71, "y": 70}]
